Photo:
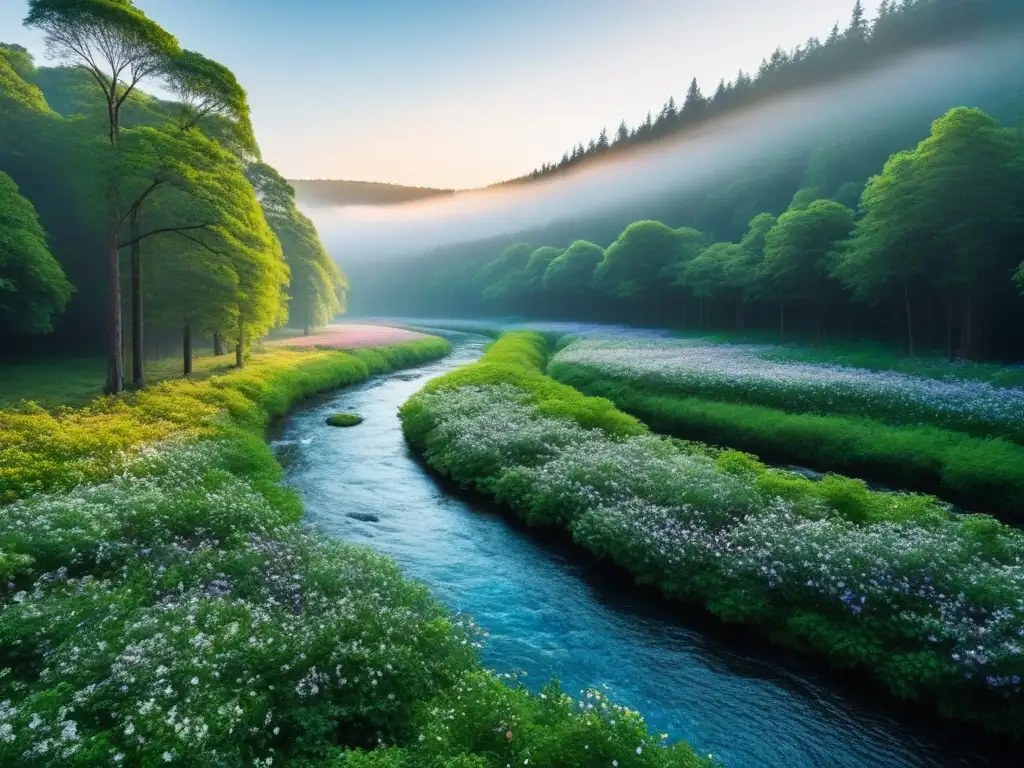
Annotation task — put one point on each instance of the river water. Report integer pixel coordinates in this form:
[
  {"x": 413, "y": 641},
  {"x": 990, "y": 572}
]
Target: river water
[{"x": 549, "y": 610}]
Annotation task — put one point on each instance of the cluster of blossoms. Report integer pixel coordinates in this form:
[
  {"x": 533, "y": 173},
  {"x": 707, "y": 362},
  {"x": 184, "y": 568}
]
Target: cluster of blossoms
[
  {"x": 737, "y": 372},
  {"x": 916, "y": 582},
  {"x": 174, "y": 615}
]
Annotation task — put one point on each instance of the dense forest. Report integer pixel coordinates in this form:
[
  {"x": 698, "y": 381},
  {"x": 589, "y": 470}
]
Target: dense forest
[
  {"x": 905, "y": 227},
  {"x": 900, "y": 26},
  {"x": 119, "y": 209}
]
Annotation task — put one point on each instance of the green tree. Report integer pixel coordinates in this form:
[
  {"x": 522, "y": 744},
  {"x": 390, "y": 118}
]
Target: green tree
[
  {"x": 949, "y": 210},
  {"x": 705, "y": 275},
  {"x": 799, "y": 251},
  {"x": 634, "y": 266},
  {"x": 569, "y": 277},
  {"x": 33, "y": 287},
  {"x": 513, "y": 259},
  {"x": 120, "y": 47}
]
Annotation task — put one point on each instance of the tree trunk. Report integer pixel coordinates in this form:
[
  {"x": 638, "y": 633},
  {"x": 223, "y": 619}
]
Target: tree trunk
[
  {"x": 218, "y": 344},
  {"x": 240, "y": 346},
  {"x": 782, "y": 318},
  {"x": 967, "y": 330},
  {"x": 949, "y": 329},
  {"x": 186, "y": 349},
  {"x": 739, "y": 315},
  {"x": 115, "y": 359},
  {"x": 138, "y": 348},
  {"x": 910, "y": 320},
  {"x": 700, "y": 312},
  {"x": 685, "y": 323}
]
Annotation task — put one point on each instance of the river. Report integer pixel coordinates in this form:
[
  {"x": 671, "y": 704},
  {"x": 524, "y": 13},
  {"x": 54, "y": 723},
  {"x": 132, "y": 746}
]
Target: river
[{"x": 550, "y": 610}]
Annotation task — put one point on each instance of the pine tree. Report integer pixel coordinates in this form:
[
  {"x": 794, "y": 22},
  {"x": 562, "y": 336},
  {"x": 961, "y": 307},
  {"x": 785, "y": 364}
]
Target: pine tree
[
  {"x": 695, "y": 106},
  {"x": 858, "y": 29},
  {"x": 622, "y": 134},
  {"x": 602, "y": 140},
  {"x": 833, "y": 36}
]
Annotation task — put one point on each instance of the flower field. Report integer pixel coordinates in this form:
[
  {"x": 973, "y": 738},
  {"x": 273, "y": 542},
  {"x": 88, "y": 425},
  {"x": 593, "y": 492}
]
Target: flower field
[
  {"x": 161, "y": 604},
  {"x": 855, "y": 426},
  {"x": 929, "y": 603},
  {"x": 741, "y": 373}
]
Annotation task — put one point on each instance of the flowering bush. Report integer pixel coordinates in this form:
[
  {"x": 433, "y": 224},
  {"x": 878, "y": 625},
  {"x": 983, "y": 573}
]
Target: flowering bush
[
  {"x": 979, "y": 472},
  {"x": 931, "y": 603},
  {"x": 177, "y": 613}
]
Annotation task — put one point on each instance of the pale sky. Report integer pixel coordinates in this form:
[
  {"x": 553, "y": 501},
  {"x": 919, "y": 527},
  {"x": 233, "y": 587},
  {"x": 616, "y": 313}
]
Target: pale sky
[{"x": 462, "y": 93}]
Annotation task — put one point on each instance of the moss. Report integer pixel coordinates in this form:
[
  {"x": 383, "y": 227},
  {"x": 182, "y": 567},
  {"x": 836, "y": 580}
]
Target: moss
[{"x": 344, "y": 419}]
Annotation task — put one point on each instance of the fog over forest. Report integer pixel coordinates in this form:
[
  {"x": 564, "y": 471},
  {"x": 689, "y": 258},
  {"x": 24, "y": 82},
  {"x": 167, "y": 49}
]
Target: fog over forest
[{"x": 932, "y": 80}]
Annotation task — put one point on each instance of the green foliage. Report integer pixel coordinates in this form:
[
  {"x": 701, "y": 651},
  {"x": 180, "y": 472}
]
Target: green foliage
[
  {"x": 982, "y": 473},
  {"x": 868, "y": 580},
  {"x": 195, "y": 621},
  {"x": 33, "y": 287},
  {"x": 207, "y": 89},
  {"x": 344, "y": 419},
  {"x": 519, "y": 358},
  {"x": 636, "y": 264},
  {"x": 16, "y": 92},
  {"x": 318, "y": 287},
  {"x": 800, "y": 247},
  {"x": 915, "y": 232}
]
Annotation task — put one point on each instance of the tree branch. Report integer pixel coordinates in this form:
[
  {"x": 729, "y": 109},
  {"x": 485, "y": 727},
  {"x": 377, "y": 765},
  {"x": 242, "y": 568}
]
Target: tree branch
[{"x": 161, "y": 231}]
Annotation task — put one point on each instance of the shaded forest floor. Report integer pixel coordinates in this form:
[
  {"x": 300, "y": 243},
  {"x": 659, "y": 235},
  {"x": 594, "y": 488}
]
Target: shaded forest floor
[{"x": 75, "y": 381}]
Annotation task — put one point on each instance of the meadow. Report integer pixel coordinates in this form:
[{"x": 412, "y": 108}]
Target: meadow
[
  {"x": 953, "y": 437},
  {"x": 163, "y": 605},
  {"x": 926, "y": 602}
]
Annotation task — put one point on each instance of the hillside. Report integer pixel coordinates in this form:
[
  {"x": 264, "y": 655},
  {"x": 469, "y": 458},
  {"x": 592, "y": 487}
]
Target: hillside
[{"x": 333, "y": 192}]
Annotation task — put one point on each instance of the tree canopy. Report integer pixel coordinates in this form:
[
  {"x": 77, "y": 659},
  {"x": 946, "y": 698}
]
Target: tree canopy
[{"x": 33, "y": 287}]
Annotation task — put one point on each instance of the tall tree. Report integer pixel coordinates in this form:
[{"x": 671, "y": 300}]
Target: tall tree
[
  {"x": 119, "y": 47},
  {"x": 799, "y": 252}
]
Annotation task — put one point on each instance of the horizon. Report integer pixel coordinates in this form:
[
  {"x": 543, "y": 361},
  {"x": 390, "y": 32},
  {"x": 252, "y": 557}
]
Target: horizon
[{"x": 445, "y": 105}]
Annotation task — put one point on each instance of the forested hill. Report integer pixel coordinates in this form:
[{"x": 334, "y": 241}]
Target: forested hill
[
  {"x": 900, "y": 27},
  {"x": 122, "y": 214},
  {"x": 320, "y": 193},
  {"x": 903, "y": 222}
]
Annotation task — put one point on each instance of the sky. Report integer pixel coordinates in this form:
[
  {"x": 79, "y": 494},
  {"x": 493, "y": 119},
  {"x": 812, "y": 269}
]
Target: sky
[{"x": 463, "y": 93}]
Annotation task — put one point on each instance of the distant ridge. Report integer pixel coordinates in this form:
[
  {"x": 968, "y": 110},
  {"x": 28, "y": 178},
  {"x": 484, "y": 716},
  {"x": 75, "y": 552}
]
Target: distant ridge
[{"x": 335, "y": 192}]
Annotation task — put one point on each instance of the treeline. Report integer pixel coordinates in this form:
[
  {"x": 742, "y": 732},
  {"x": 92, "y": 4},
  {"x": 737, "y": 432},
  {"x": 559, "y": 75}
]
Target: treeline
[
  {"x": 939, "y": 226},
  {"x": 900, "y": 26},
  {"x": 119, "y": 205},
  {"x": 335, "y": 192}
]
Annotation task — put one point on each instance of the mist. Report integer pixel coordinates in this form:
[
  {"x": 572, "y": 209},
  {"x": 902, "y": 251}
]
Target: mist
[{"x": 687, "y": 163}]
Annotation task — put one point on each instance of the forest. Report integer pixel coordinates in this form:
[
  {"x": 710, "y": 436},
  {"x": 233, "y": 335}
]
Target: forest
[
  {"x": 901, "y": 228},
  {"x": 125, "y": 214}
]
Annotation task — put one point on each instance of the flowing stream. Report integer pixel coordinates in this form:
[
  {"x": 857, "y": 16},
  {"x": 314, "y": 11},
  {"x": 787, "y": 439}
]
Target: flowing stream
[{"x": 550, "y": 610}]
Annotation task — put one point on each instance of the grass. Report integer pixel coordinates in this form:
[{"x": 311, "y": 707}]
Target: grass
[
  {"x": 926, "y": 602},
  {"x": 344, "y": 419},
  {"x": 76, "y": 381},
  {"x": 978, "y": 473},
  {"x": 164, "y": 605}
]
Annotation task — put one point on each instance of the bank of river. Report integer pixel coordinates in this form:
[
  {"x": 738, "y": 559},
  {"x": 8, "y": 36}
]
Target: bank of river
[{"x": 549, "y": 610}]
